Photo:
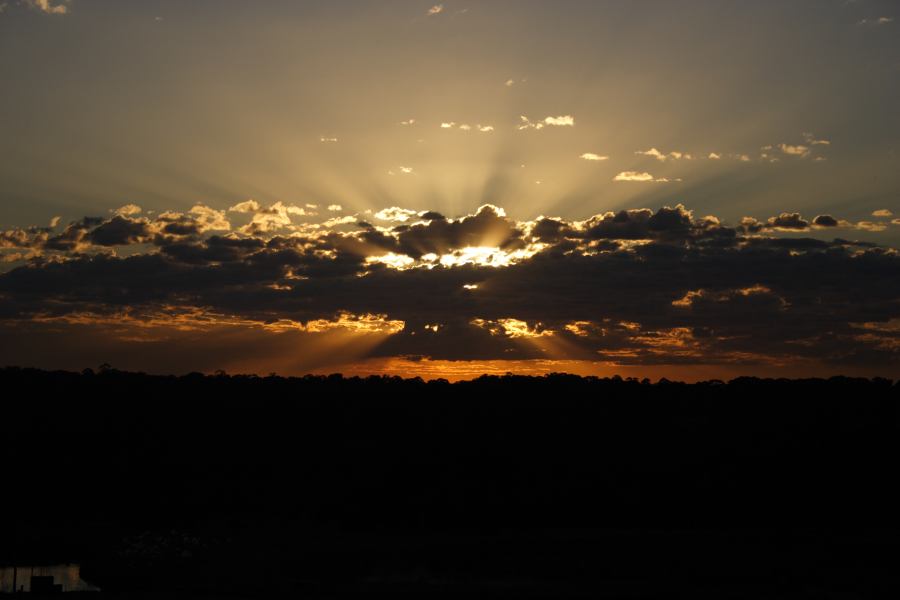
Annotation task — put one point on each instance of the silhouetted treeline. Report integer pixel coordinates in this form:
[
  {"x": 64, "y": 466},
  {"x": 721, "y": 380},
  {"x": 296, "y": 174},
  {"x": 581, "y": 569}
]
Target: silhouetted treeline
[{"x": 93, "y": 461}]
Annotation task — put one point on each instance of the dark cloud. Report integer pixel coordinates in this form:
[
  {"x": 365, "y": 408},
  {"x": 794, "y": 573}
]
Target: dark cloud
[
  {"x": 120, "y": 231},
  {"x": 825, "y": 221},
  {"x": 788, "y": 221},
  {"x": 633, "y": 287}
]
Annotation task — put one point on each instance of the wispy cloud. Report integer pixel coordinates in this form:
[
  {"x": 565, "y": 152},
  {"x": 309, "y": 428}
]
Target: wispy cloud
[
  {"x": 876, "y": 21},
  {"x": 641, "y": 176},
  {"x": 402, "y": 170},
  {"x": 408, "y": 122},
  {"x": 466, "y": 127},
  {"x": 674, "y": 155},
  {"x": 592, "y": 156},
  {"x": 435, "y": 10},
  {"x": 328, "y": 139}
]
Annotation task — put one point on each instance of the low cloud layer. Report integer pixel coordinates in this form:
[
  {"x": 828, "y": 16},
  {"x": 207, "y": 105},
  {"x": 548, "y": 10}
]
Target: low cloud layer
[{"x": 633, "y": 287}]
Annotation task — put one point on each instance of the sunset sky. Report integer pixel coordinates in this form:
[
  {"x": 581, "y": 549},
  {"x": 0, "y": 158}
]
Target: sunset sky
[{"x": 650, "y": 188}]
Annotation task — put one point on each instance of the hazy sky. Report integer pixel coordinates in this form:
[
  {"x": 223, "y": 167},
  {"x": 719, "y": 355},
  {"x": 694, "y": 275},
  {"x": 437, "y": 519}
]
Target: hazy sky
[{"x": 330, "y": 110}]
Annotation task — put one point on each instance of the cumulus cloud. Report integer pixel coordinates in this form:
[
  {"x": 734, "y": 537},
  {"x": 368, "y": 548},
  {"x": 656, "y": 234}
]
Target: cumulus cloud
[
  {"x": 560, "y": 121},
  {"x": 633, "y": 176},
  {"x": 636, "y": 286},
  {"x": 128, "y": 210},
  {"x": 247, "y": 206},
  {"x": 594, "y": 157}
]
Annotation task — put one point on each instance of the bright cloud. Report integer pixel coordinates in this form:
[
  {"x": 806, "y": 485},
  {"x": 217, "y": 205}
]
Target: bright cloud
[
  {"x": 560, "y": 121},
  {"x": 247, "y": 206},
  {"x": 592, "y": 156},
  {"x": 641, "y": 176},
  {"x": 127, "y": 210},
  {"x": 674, "y": 155}
]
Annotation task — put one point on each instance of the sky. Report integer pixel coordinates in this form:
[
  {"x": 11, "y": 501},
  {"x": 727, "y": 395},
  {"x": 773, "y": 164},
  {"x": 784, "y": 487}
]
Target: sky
[{"x": 691, "y": 190}]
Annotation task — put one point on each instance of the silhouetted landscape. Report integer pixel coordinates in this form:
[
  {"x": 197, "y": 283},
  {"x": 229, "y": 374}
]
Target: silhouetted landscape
[{"x": 508, "y": 486}]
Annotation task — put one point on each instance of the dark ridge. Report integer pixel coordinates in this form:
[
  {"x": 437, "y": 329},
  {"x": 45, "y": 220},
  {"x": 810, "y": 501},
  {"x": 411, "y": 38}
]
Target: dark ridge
[{"x": 500, "y": 486}]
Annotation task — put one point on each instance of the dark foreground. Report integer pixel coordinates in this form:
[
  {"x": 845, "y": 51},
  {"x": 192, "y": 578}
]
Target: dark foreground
[{"x": 503, "y": 487}]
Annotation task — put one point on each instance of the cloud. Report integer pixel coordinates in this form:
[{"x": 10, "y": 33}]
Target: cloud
[
  {"x": 714, "y": 156},
  {"x": 267, "y": 219},
  {"x": 674, "y": 155},
  {"x": 49, "y": 7},
  {"x": 876, "y": 21},
  {"x": 592, "y": 156},
  {"x": 328, "y": 139},
  {"x": 825, "y": 221},
  {"x": 640, "y": 176},
  {"x": 560, "y": 121},
  {"x": 466, "y": 127},
  {"x": 335, "y": 207},
  {"x": 247, "y": 206},
  {"x": 435, "y": 10},
  {"x": 128, "y": 210},
  {"x": 882, "y": 212},
  {"x": 794, "y": 150},
  {"x": 395, "y": 213},
  {"x": 635, "y": 287},
  {"x": 408, "y": 122},
  {"x": 812, "y": 141}
]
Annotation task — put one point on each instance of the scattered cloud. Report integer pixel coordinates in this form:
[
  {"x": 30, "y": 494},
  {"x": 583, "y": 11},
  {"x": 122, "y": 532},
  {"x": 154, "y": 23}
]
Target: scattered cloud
[
  {"x": 408, "y": 122},
  {"x": 794, "y": 150},
  {"x": 435, "y": 10},
  {"x": 560, "y": 121},
  {"x": 335, "y": 207},
  {"x": 641, "y": 176},
  {"x": 592, "y": 156},
  {"x": 674, "y": 155},
  {"x": 466, "y": 127},
  {"x": 882, "y": 212},
  {"x": 328, "y": 139}
]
